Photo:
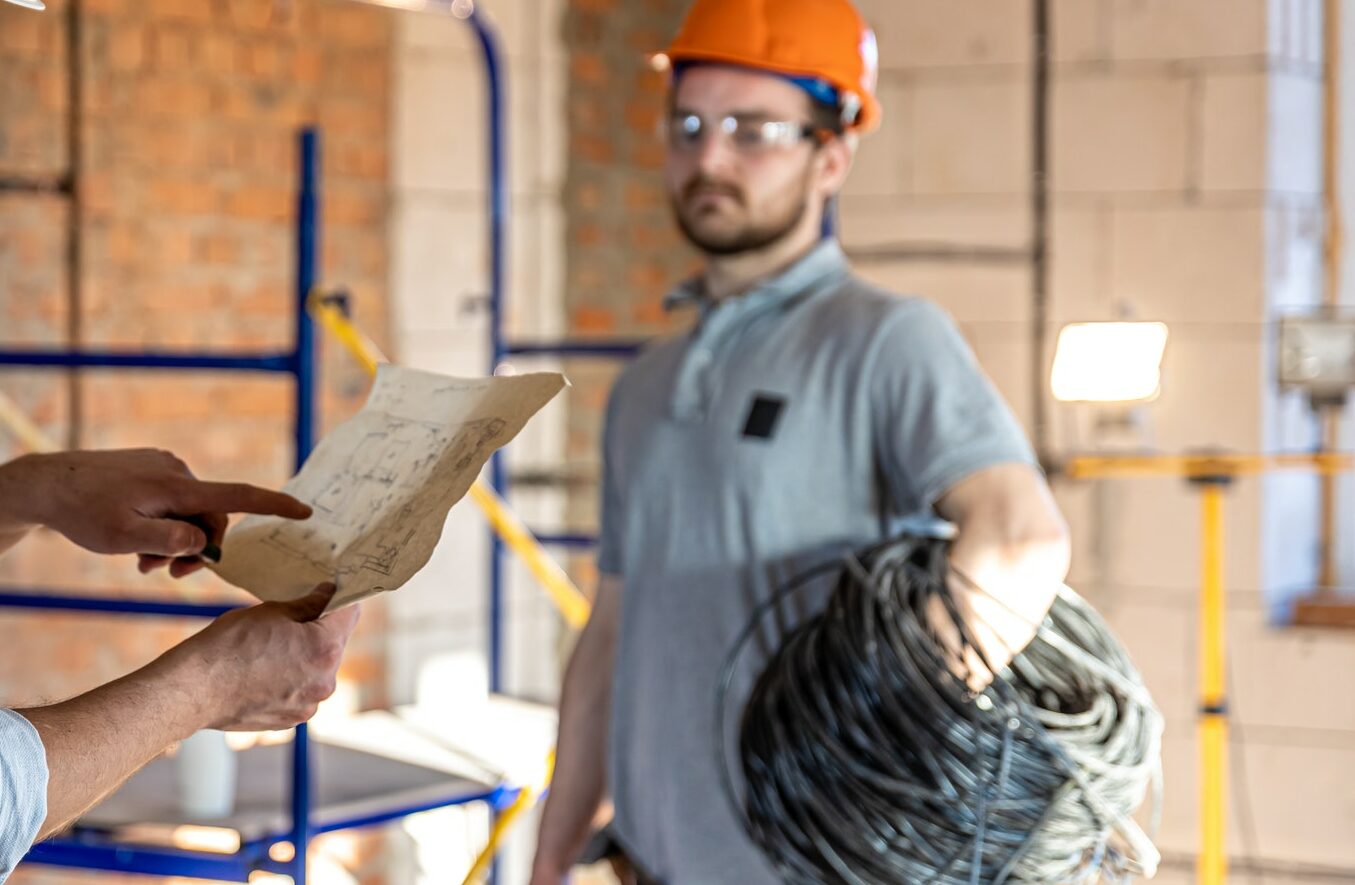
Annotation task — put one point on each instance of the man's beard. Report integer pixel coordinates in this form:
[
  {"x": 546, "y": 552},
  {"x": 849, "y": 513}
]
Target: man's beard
[{"x": 748, "y": 238}]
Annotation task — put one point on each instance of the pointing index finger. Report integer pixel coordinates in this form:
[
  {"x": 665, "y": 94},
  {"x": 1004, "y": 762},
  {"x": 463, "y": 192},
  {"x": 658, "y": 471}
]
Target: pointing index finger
[{"x": 238, "y": 497}]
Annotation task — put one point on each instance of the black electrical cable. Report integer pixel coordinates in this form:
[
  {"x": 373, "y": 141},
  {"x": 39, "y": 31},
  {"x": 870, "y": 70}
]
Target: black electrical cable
[{"x": 866, "y": 757}]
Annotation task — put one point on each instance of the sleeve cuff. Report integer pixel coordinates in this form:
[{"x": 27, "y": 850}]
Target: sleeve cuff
[{"x": 23, "y": 779}]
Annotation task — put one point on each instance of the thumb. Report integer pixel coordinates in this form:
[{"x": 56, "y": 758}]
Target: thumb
[
  {"x": 310, "y": 606},
  {"x": 164, "y": 537}
]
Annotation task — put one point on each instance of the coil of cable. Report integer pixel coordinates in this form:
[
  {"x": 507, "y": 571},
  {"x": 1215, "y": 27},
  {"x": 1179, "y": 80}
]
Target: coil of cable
[{"x": 866, "y": 758}]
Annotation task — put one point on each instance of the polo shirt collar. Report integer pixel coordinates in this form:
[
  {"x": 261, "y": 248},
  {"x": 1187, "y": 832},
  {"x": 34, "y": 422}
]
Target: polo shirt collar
[{"x": 821, "y": 263}]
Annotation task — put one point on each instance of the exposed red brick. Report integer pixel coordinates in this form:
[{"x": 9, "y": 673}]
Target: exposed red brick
[
  {"x": 622, "y": 250},
  {"x": 263, "y": 60},
  {"x": 588, "y": 68},
  {"x": 643, "y": 118},
  {"x": 350, "y": 26},
  {"x": 195, "y": 11},
  {"x": 641, "y": 196},
  {"x": 184, "y": 196},
  {"x": 217, "y": 53},
  {"x": 175, "y": 98},
  {"x": 127, "y": 47},
  {"x": 648, "y": 313},
  {"x": 176, "y": 47},
  {"x": 646, "y": 154},
  {"x": 589, "y": 234},
  {"x": 27, "y": 36},
  {"x": 651, "y": 83},
  {"x": 261, "y": 203},
  {"x": 646, "y": 238},
  {"x": 307, "y": 65},
  {"x": 592, "y": 148},
  {"x": 217, "y": 249},
  {"x": 645, "y": 40},
  {"x": 106, "y": 7},
  {"x": 592, "y": 320}
]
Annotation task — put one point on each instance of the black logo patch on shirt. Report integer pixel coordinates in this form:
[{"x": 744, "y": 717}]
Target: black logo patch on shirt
[{"x": 763, "y": 416}]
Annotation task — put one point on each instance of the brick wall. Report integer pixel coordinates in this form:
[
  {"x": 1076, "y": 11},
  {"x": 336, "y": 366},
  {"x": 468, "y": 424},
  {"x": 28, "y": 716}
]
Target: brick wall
[
  {"x": 623, "y": 252},
  {"x": 189, "y": 168}
]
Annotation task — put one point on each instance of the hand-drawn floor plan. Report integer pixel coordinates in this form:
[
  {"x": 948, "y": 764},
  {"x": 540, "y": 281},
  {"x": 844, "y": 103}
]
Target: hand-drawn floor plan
[{"x": 381, "y": 485}]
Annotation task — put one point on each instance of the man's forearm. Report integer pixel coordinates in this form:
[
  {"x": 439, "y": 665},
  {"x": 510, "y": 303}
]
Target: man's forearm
[
  {"x": 96, "y": 740},
  {"x": 1011, "y": 552},
  {"x": 579, "y": 786},
  {"x": 1018, "y": 575}
]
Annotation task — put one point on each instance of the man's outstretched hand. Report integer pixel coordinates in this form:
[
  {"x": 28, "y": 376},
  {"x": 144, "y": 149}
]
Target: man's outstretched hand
[{"x": 143, "y": 501}]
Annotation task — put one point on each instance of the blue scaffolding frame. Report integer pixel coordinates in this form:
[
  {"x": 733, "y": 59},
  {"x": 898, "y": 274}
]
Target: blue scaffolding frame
[{"x": 96, "y": 850}]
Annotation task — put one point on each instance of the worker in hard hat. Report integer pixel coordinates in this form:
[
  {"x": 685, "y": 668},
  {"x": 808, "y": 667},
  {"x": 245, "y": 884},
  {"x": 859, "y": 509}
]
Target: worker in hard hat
[{"x": 806, "y": 413}]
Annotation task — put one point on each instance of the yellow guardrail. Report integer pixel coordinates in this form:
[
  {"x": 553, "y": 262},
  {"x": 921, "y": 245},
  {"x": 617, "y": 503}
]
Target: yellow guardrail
[
  {"x": 1203, "y": 464},
  {"x": 23, "y": 428},
  {"x": 525, "y": 800}
]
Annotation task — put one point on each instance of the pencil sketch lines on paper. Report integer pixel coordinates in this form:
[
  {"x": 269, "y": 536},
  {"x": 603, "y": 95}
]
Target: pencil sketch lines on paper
[{"x": 383, "y": 563}]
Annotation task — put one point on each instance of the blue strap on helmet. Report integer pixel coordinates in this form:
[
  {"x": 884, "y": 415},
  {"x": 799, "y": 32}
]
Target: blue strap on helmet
[{"x": 819, "y": 90}]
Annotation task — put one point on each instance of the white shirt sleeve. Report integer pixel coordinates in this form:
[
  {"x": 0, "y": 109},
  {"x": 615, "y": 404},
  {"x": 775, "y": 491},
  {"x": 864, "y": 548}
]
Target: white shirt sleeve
[{"x": 23, "y": 789}]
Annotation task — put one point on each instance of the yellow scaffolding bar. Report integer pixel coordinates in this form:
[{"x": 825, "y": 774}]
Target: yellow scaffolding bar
[
  {"x": 1212, "y": 863},
  {"x": 28, "y": 433},
  {"x": 1211, "y": 474},
  {"x": 524, "y": 802}
]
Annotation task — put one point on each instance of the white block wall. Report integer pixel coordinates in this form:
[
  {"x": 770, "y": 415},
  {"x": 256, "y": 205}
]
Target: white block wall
[{"x": 1186, "y": 178}]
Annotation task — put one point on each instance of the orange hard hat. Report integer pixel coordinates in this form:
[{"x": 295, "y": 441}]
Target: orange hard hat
[{"x": 823, "y": 39}]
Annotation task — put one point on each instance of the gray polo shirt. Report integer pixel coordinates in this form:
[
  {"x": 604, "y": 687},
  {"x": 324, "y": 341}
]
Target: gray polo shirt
[{"x": 800, "y": 419}]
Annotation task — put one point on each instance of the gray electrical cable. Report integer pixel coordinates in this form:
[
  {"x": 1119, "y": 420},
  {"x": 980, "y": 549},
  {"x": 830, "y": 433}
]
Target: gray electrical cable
[{"x": 866, "y": 759}]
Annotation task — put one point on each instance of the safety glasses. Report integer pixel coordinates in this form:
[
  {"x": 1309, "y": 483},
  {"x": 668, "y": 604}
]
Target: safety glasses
[{"x": 750, "y": 135}]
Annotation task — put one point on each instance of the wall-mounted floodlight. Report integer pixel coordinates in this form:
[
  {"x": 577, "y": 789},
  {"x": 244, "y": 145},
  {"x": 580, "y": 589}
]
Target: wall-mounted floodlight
[
  {"x": 1317, "y": 355},
  {"x": 1109, "y": 362}
]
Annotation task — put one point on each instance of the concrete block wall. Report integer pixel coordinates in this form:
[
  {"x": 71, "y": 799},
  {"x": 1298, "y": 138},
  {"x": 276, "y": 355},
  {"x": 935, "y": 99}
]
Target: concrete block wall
[{"x": 1186, "y": 160}]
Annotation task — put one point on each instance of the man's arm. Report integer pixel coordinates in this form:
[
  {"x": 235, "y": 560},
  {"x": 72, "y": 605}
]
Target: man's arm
[
  {"x": 143, "y": 501},
  {"x": 260, "y": 668},
  {"x": 580, "y": 782},
  {"x": 265, "y": 667},
  {"x": 1013, "y": 543}
]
